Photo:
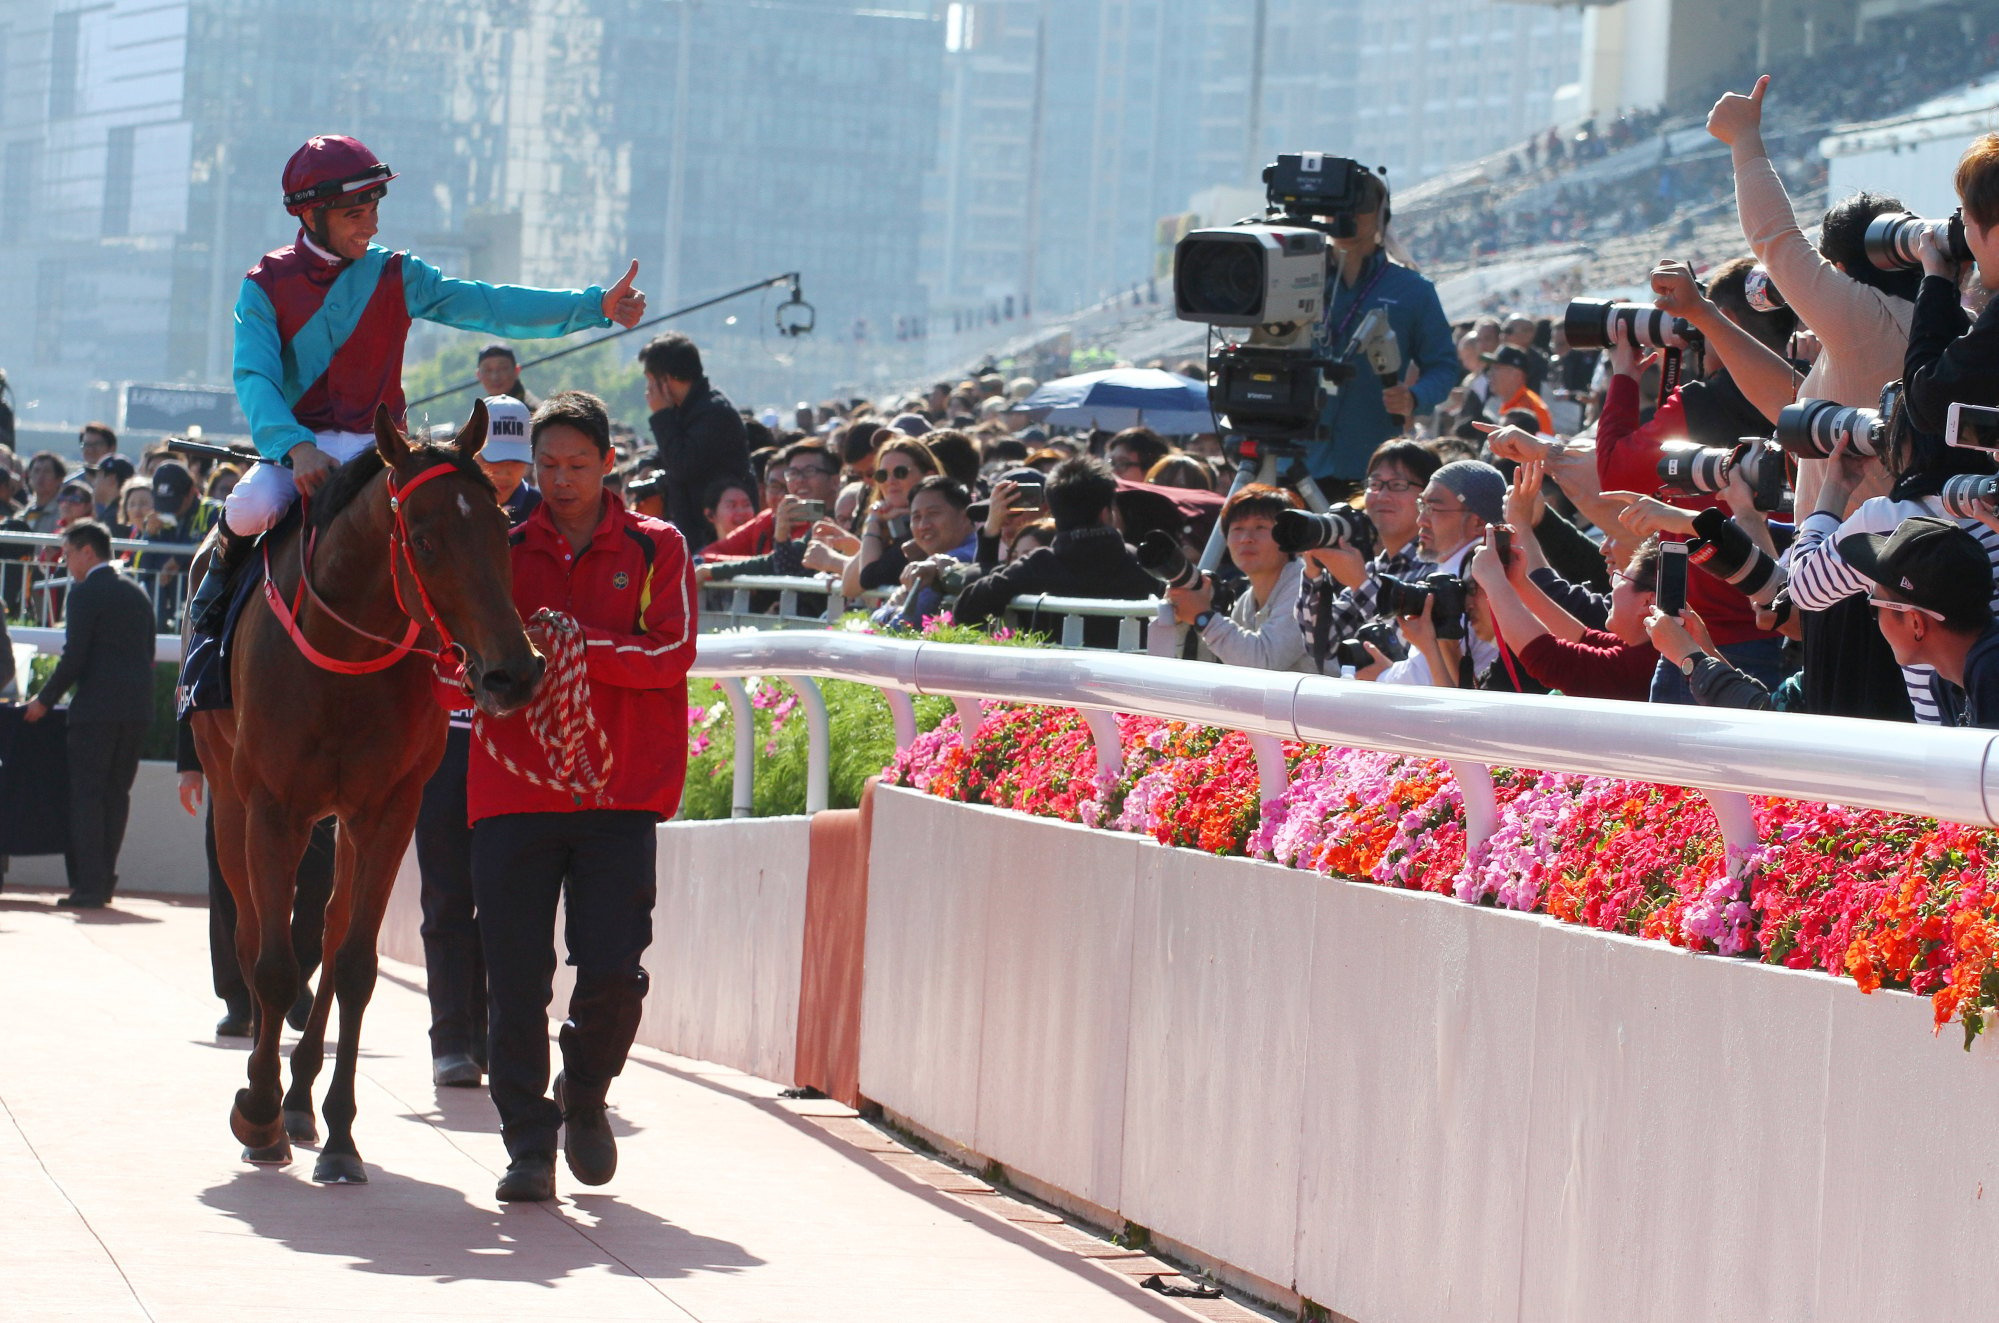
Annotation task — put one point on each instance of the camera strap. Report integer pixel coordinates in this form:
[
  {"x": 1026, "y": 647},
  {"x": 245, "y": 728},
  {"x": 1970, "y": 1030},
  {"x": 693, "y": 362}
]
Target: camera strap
[
  {"x": 1669, "y": 373},
  {"x": 1339, "y": 334}
]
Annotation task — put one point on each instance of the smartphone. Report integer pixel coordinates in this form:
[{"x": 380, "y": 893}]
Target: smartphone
[
  {"x": 1973, "y": 427},
  {"x": 1672, "y": 592},
  {"x": 812, "y": 511},
  {"x": 1502, "y": 543}
]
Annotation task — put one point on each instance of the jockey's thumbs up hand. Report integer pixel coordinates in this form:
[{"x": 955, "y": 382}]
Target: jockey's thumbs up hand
[{"x": 623, "y": 304}]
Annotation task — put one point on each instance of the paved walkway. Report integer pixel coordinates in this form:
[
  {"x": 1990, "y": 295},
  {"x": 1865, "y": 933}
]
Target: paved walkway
[{"x": 121, "y": 1196}]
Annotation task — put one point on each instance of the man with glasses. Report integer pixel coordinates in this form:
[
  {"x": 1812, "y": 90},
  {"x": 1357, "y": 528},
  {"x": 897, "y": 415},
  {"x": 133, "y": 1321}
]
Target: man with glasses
[
  {"x": 1341, "y": 586},
  {"x": 1932, "y": 601},
  {"x": 1460, "y": 499},
  {"x": 774, "y": 541}
]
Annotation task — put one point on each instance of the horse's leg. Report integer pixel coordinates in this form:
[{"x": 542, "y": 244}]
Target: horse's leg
[
  {"x": 379, "y": 841},
  {"x": 275, "y": 841},
  {"x": 310, "y": 1049}
]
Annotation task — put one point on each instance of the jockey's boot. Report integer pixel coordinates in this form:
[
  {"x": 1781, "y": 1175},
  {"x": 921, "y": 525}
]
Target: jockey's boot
[{"x": 209, "y": 610}]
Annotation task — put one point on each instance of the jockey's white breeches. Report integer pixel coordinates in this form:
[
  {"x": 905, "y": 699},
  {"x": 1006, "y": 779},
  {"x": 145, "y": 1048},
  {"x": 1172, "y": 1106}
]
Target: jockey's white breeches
[{"x": 267, "y": 490}]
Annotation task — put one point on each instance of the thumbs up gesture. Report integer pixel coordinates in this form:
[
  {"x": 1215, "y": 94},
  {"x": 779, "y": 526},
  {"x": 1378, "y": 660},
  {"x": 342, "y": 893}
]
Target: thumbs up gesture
[
  {"x": 1737, "y": 118},
  {"x": 1400, "y": 400},
  {"x": 623, "y": 304}
]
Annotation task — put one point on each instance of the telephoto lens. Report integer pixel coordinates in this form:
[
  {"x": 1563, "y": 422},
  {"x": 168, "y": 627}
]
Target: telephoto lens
[
  {"x": 1587, "y": 324},
  {"x": 1813, "y": 429},
  {"x": 1303, "y": 530},
  {"x": 1760, "y": 291},
  {"x": 1891, "y": 237},
  {"x": 1722, "y": 549},
  {"x": 1687, "y": 467},
  {"x": 1970, "y": 496},
  {"x": 1160, "y": 556}
]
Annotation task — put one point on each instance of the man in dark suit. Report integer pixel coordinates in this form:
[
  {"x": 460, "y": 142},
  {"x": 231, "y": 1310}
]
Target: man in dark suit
[{"x": 107, "y": 656}]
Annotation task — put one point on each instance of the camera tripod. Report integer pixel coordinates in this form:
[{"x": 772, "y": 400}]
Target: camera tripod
[{"x": 1273, "y": 463}]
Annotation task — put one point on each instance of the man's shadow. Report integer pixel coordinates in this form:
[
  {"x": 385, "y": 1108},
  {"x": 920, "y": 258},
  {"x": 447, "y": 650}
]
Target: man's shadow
[{"x": 409, "y": 1228}]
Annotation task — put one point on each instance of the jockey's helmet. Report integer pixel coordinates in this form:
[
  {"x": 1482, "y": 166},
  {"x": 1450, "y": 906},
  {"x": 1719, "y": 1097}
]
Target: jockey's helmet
[{"x": 330, "y": 170}]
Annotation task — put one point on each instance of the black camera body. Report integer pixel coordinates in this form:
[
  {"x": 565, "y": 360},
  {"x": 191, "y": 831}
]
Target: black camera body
[
  {"x": 1685, "y": 466},
  {"x": 1270, "y": 394},
  {"x": 1303, "y": 530},
  {"x": 1333, "y": 188},
  {"x": 1382, "y": 634},
  {"x": 1441, "y": 594},
  {"x": 1587, "y": 324}
]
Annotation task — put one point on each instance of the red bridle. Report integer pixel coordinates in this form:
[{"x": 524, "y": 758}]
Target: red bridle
[{"x": 399, "y": 539}]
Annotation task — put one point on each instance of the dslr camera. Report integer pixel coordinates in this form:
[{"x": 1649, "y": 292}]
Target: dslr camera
[
  {"x": 1160, "y": 556},
  {"x": 1382, "y": 634},
  {"x": 1441, "y": 594},
  {"x": 1341, "y": 526},
  {"x": 1267, "y": 275},
  {"x": 1891, "y": 237},
  {"x": 1687, "y": 467},
  {"x": 1587, "y": 324},
  {"x": 1722, "y": 549},
  {"x": 1813, "y": 429}
]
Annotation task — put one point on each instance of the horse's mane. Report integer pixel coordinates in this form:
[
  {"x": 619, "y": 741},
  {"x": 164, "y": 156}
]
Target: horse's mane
[{"x": 351, "y": 478}]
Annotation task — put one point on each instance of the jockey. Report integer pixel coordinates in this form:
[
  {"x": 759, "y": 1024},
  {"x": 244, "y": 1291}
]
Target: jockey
[{"x": 320, "y": 326}]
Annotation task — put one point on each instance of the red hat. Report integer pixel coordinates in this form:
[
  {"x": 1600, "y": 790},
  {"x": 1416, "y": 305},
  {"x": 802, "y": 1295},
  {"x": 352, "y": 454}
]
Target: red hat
[{"x": 329, "y": 169}]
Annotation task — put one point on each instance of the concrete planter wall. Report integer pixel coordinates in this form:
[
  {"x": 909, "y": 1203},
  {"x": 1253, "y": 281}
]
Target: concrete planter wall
[{"x": 1406, "y": 1108}]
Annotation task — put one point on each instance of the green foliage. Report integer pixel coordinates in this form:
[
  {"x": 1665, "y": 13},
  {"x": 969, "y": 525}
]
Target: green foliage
[
  {"x": 609, "y": 371},
  {"x": 160, "y": 738},
  {"x": 862, "y": 743}
]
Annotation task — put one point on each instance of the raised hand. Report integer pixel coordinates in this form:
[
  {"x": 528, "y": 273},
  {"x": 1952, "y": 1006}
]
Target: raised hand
[
  {"x": 1738, "y": 118},
  {"x": 623, "y": 304}
]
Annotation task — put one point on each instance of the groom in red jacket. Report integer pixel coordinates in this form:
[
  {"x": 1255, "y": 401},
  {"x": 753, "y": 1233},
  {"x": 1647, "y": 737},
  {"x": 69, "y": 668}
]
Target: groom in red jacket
[{"x": 627, "y": 581}]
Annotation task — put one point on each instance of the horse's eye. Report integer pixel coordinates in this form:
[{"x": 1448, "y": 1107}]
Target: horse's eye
[{"x": 425, "y": 546}]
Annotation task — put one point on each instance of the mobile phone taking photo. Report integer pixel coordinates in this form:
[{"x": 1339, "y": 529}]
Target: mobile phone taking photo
[
  {"x": 1671, "y": 595},
  {"x": 1973, "y": 427}
]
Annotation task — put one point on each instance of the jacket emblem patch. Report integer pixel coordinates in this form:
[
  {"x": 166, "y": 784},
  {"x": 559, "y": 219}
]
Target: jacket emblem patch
[{"x": 620, "y": 579}]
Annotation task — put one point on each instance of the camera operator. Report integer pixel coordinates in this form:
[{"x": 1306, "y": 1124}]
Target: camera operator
[
  {"x": 1340, "y": 587},
  {"x": 1951, "y": 359},
  {"x": 1933, "y": 606},
  {"x": 1616, "y": 661},
  {"x": 1364, "y": 413},
  {"x": 1627, "y": 457},
  {"x": 1261, "y": 628},
  {"x": 1859, "y": 313},
  {"x": 1089, "y": 557},
  {"x": 1461, "y": 499},
  {"x": 1753, "y": 381}
]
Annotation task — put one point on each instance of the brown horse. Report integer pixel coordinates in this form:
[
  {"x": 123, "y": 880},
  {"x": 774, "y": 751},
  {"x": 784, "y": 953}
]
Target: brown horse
[{"x": 338, "y": 714}]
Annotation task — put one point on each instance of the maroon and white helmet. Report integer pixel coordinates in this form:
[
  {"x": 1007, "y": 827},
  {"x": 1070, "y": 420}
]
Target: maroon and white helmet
[{"x": 333, "y": 169}]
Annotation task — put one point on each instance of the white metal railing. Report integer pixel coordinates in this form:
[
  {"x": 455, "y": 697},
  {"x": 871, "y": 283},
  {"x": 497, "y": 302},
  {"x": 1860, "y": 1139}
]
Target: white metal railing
[
  {"x": 1729, "y": 754},
  {"x": 32, "y": 576},
  {"x": 1144, "y": 624}
]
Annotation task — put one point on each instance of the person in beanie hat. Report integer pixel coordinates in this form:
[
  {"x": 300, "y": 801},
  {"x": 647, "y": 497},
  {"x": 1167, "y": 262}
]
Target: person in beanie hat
[
  {"x": 1932, "y": 602},
  {"x": 1457, "y": 504}
]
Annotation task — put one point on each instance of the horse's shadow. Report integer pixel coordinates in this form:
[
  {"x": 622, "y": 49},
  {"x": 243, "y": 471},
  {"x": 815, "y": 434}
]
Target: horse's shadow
[{"x": 409, "y": 1228}]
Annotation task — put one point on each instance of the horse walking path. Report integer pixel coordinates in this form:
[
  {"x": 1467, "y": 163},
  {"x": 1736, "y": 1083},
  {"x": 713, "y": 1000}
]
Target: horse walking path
[{"x": 122, "y": 1196}]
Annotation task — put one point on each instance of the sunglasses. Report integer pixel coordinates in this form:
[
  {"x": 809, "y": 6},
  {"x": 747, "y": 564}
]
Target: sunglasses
[
  {"x": 899, "y": 471},
  {"x": 1878, "y": 605}
]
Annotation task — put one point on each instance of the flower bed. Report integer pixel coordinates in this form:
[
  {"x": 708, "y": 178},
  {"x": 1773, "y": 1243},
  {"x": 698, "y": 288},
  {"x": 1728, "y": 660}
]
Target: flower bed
[{"x": 1887, "y": 899}]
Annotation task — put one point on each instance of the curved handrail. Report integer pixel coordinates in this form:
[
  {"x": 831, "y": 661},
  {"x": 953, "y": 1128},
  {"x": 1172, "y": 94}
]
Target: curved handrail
[{"x": 1936, "y": 772}]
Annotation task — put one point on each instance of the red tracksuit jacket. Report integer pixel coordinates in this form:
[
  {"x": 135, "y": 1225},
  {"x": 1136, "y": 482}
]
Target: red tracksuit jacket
[{"x": 632, "y": 590}]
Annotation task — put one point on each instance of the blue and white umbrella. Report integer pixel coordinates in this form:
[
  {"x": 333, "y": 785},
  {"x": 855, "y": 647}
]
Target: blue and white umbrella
[{"x": 1166, "y": 402}]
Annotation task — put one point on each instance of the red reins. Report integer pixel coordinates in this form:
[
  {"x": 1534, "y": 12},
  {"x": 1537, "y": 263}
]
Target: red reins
[{"x": 287, "y": 613}]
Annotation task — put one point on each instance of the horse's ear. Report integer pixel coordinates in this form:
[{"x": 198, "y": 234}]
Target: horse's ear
[
  {"x": 472, "y": 436},
  {"x": 389, "y": 440}
]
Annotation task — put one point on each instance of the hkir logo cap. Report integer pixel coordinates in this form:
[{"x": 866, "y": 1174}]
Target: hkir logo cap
[{"x": 506, "y": 430}]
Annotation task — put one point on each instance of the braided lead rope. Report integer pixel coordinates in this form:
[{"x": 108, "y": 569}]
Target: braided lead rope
[{"x": 560, "y": 718}]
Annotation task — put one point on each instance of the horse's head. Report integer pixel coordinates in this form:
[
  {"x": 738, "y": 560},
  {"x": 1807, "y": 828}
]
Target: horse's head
[{"x": 457, "y": 539}]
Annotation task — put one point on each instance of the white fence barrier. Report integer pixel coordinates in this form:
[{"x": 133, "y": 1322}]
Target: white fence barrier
[{"x": 1407, "y": 1109}]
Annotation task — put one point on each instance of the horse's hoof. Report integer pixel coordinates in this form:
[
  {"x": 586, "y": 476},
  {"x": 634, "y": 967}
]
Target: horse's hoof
[
  {"x": 254, "y": 1134},
  {"x": 300, "y": 1126},
  {"x": 272, "y": 1155},
  {"x": 340, "y": 1169}
]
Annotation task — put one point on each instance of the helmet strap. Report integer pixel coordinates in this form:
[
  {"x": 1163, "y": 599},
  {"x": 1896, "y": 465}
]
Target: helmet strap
[{"x": 315, "y": 225}]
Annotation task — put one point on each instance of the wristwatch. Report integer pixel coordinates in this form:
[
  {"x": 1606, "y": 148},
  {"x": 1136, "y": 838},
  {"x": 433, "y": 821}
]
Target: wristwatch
[
  {"x": 1201, "y": 621},
  {"x": 1687, "y": 664}
]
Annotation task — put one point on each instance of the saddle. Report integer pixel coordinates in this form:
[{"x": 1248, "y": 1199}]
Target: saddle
[{"x": 204, "y": 671}]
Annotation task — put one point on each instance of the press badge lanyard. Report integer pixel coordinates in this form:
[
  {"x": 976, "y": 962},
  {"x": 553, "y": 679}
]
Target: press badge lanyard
[{"x": 1339, "y": 335}]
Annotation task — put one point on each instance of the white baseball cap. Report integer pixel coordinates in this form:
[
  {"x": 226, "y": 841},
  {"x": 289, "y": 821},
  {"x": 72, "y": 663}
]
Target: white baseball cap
[{"x": 506, "y": 430}]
